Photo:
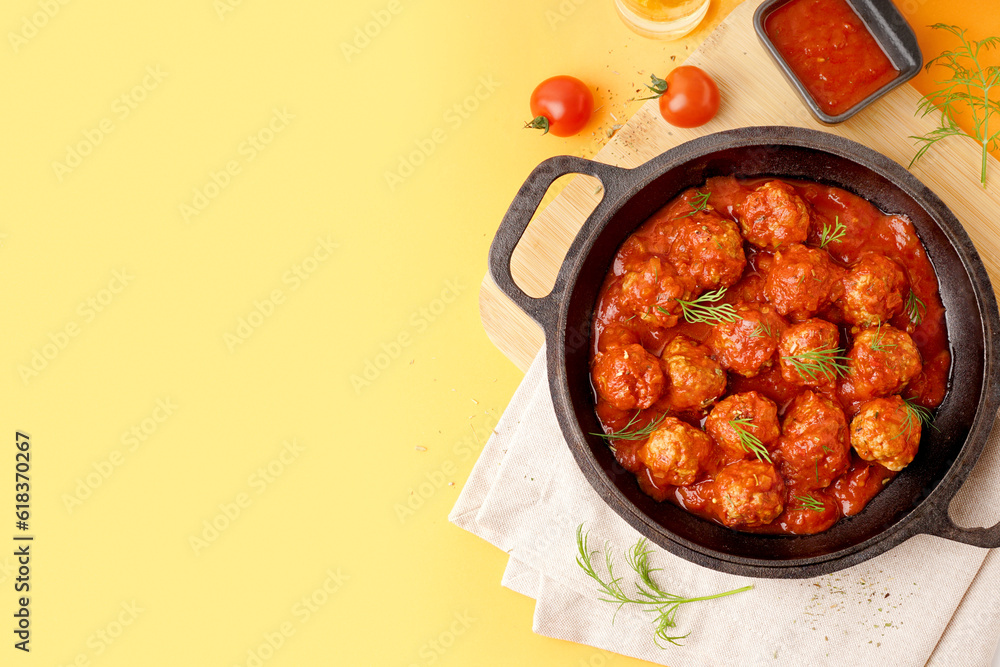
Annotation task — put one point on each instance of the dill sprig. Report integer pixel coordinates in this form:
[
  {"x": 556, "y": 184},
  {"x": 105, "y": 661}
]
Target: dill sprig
[
  {"x": 649, "y": 596},
  {"x": 748, "y": 441},
  {"x": 914, "y": 306},
  {"x": 968, "y": 87},
  {"x": 810, "y": 364},
  {"x": 810, "y": 503},
  {"x": 762, "y": 330},
  {"x": 627, "y": 432},
  {"x": 698, "y": 203},
  {"x": 878, "y": 343},
  {"x": 696, "y": 310},
  {"x": 916, "y": 415},
  {"x": 831, "y": 234}
]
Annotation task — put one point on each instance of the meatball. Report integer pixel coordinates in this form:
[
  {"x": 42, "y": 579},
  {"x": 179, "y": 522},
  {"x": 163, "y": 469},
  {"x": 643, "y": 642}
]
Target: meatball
[
  {"x": 750, "y": 289},
  {"x": 748, "y": 494},
  {"x": 802, "y": 281},
  {"x": 695, "y": 379},
  {"x": 798, "y": 341},
  {"x": 881, "y": 361},
  {"x": 758, "y": 416},
  {"x": 886, "y": 431},
  {"x": 875, "y": 290},
  {"x": 676, "y": 453},
  {"x": 773, "y": 216},
  {"x": 814, "y": 449},
  {"x": 810, "y": 512},
  {"x": 651, "y": 290},
  {"x": 707, "y": 248},
  {"x": 616, "y": 335},
  {"x": 628, "y": 377},
  {"x": 748, "y": 344}
]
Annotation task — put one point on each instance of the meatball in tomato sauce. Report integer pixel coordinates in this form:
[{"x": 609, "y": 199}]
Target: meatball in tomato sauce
[
  {"x": 749, "y": 414},
  {"x": 748, "y": 494},
  {"x": 628, "y": 377},
  {"x": 773, "y": 216},
  {"x": 651, "y": 290},
  {"x": 886, "y": 431},
  {"x": 694, "y": 379},
  {"x": 802, "y": 281},
  {"x": 747, "y": 345},
  {"x": 677, "y": 453},
  {"x": 806, "y": 350},
  {"x": 708, "y": 249},
  {"x": 815, "y": 445},
  {"x": 881, "y": 361},
  {"x": 875, "y": 290}
]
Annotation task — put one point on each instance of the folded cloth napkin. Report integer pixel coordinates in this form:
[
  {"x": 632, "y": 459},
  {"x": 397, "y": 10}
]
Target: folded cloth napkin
[{"x": 927, "y": 601}]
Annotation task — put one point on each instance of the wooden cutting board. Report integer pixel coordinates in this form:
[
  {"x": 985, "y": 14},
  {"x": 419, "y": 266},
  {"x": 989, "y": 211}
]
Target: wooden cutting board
[{"x": 753, "y": 93}]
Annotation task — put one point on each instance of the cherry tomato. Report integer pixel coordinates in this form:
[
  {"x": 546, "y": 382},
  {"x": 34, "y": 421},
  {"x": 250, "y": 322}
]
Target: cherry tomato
[
  {"x": 561, "y": 105},
  {"x": 690, "y": 98}
]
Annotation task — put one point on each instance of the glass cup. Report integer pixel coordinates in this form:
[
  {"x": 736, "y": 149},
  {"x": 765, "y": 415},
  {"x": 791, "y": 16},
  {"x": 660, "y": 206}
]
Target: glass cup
[{"x": 662, "y": 19}]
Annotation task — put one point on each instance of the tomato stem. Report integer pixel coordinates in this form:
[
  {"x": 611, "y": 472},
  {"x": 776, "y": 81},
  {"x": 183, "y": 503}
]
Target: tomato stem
[
  {"x": 659, "y": 87},
  {"x": 538, "y": 123}
]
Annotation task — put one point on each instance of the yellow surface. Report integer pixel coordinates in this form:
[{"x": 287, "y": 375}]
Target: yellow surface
[{"x": 203, "y": 258}]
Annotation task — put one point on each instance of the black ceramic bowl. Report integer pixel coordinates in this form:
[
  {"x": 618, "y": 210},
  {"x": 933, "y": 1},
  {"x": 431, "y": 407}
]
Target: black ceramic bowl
[
  {"x": 917, "y": 500},
  {"x": 890, "y": 30}
]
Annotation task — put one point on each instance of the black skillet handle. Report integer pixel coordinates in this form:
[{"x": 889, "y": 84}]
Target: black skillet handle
[
  {"x": 515, "y": 221},
  {"x": 943, "y": 526},
  {"x": 939, "y": 522}
]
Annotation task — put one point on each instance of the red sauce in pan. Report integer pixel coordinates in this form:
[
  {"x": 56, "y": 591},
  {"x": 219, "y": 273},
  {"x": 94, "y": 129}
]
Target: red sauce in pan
[
  {"x": 679, "y": 355},
  {"x": 830, "y": 51}
]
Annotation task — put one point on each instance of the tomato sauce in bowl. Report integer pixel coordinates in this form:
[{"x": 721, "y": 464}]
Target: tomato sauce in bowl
[{"x": 840, "y": 55}]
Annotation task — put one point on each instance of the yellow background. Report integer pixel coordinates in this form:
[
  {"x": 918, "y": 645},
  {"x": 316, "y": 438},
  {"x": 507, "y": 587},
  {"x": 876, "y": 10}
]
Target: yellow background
[{"x": 114, "y": 517}]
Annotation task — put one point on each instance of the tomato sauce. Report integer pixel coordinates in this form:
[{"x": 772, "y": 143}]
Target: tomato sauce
[
  {"x": 865, "y": 229},
  {"x": 830, "y": 51}
]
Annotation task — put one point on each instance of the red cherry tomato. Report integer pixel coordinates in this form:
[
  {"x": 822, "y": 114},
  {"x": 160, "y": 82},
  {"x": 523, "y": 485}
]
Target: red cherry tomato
[
  {"x": 691, "y": 97},
  {"x": 561, "y": 105}
]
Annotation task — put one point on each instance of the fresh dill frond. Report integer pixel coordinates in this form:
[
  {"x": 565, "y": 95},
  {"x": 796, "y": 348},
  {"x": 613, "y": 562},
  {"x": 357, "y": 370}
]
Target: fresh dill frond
[
  {"x": 915, "y": 308},
  {"x": 878, "y": 343},
  {"x": 916, "y": 415},
  {"x": 761, "y": 330},
  {"x": 968, "y": 89},
  {"x": 629, "y": 432},
  {"x": 698, "y": 203},
  {"x": 748, "y": 441},
  {"x": 812, "y": 363},
  {"x": 698, "y": 310},
  {"x": 831, "y": 234},
  {"x": 649, "y": 596},
  {"x": 810, "y": 503}
]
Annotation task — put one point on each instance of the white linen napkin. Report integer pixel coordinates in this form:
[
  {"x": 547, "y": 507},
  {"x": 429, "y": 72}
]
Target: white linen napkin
[{"x": 927, "y": 601}]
